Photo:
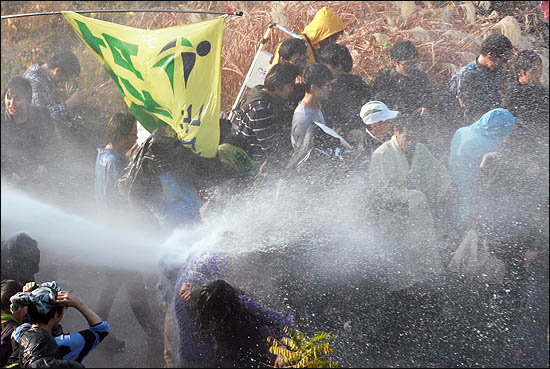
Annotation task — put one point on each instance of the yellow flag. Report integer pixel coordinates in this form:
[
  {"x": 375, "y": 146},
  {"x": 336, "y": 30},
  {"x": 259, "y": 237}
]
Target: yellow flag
[{"x": 166, "y": 76}]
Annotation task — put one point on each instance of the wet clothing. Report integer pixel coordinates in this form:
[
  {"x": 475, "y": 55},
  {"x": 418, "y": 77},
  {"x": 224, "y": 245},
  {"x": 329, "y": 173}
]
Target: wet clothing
[
  {"x": 177, "y": 204},
  {"x": 468, "y": 147},
  {"x": 405, "y": 94},
  {"x": 325, "y": 24},
  {"x": 109, "y": 166},
  {"x": 529, "y": 104},
  {"x": 348, "y": 94},
  {"x": 23, "y": 144},
  {"x": 264, "y": 132},
  {"x": 43, "y": 91},
  {"x": 20, "y": 258},
  {"x": 401, "y": 198},
  {"x": 73, "y": 346},
  {"x": 36, "y": 348},
  {"x": 303, "y": 118},
  {"x": 9, "y": 323},
  {"x": 448, "y": 103}
]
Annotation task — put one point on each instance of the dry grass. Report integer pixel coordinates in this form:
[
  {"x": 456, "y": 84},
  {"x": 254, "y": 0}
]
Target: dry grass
[{"x": 447, "y": 37}]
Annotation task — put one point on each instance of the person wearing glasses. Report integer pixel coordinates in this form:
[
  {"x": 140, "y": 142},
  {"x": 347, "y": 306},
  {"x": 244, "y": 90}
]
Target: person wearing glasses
[
  {"x": 404, "y": 86},
  {"x": 495, "y": 51}
]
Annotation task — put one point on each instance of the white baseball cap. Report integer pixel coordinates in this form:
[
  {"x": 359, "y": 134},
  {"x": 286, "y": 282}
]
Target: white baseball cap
[{"x": 376, "y": 111}]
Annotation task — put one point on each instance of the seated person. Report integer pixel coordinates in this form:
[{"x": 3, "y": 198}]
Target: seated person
[
  {"x": 468, "y": 146},
  {"x": 406, "y": 185},
  {"x": 263, "y": 132},
  {"x": 495, "y": 51},
  {"x": 24, "y": 134},
  {"x": 378, "y": 120},
  {"x": 10, "y": 319},
  {"x": 527, "y": 99},
  {"x": 38, "y": 344},
  {"x": 348, "y": 91},
  {"x": 474, "y": 97},
  {"x": 294, "y": 51},
  {"x": 404, "y": 87}
]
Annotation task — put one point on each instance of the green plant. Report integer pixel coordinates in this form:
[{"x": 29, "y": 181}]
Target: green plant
[{"x": 301, "y": 351}]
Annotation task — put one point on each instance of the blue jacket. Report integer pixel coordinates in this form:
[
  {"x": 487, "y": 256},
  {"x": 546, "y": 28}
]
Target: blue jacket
[
  {"x": 468, "y": 147},
  {"x": 109, "y": 166}
]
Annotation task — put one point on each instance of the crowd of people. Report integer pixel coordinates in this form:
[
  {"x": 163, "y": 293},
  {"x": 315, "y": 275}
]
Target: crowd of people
[{"x": 455, "y": 187}]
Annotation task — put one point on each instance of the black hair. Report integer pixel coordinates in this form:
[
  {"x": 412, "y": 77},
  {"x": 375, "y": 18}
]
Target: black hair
[
  {"x": 316, "y": 74},
  {"x": 525, "y": 60},
  {"x": 337, "y": 54},
  {"x": 21, "y": 86},
  {"x": 279, "y": 75},
  {"x": 330, "y": 39},
  {"x": 292, "y": 46},
  {"x": 67, "y": 62},
  {"x": 20, "y": 258},
  {"x": 120, "y": 126},
  {"x": 9, "y": 288},
  {"x": 404, "y": 50},
  {"x": 475, "y": 93},
  {"x": 36, "y": 317},
  {"x": 497, "y": 44},
  {"x": 218, "y": 302}
]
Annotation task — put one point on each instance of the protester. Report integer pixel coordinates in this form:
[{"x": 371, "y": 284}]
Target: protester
[
  {"x": 20, "y": 258},
  {"x": 468, "y": 146},
  {"x": 38, "y": 343},
  {"x": 348, "y": 92},
  {"x": 527, "y": 99},
  {"x": 10, "y": 320},
  {"x": 110, "y": 162},
  {"x": 474, "y": 96},
  {"x": 238, "y": 325},
  {"x": 325, "y": 29},
  {"x": 378, "y": 119},
  {"x": 44, "y": 78},
  {"x": 496, "y": 49},
  {"x": 263, "y": 132},
  {"x": 404, "y": 87},
  {"x": 294, "y": 51},
  {"x": 23, "y": 135}
]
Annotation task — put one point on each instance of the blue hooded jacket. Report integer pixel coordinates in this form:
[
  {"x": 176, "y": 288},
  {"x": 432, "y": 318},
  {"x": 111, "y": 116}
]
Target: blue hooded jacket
[{"x": 468, "y": 147}]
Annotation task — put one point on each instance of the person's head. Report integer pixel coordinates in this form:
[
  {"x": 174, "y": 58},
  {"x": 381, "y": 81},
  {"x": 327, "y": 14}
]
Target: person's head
[
  {"x": 404, "y": 56},
  {"x": 406, "y": 128},
  {"x": 337, "y": 58},
  {"x": 496, "y": 50},
  {"x": 20, "y": 258},
  {"x": 294, "y": 51},
  {"x": 316, "y": 80},
  {"x": 17, "y": 96},
  {"x": 528, "y": 67},
  {"x": 325, "y": 28},
  {"x": 378, "y": 118},
  {"x": 280, "y": 79},
  {"x": 121, "y": 131},
  {"x": 475, "y": 95},
  {"x": 218, "y": 303},
  {"x": 64, "y": 66},
  {"x": 41, "y": 304}
]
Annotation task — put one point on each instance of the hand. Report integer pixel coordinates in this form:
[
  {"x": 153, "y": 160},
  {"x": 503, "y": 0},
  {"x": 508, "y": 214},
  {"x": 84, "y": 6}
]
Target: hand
[
  {"x": 15, "y": 178},
  {"x": 529, "y": 257},
  {"x": 280, "y": 362},
  {"x": 422, "y": 110},
  {"x": 78, "y": 98},
  {"x": 204, "y": 209},
  {"x": 185, "y": 292},
  {"x": 64, "y": 298},
  {"x": 29, "y": 286},
  {"x": 487, "y": 158}
]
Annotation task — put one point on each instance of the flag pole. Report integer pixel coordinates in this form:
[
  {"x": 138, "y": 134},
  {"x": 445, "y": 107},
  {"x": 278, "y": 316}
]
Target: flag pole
[{"x": 238, "y": 13}]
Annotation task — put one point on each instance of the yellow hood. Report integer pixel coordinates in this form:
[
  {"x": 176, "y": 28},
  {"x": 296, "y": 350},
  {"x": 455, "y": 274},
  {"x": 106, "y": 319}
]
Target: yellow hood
[{"x": 325, "y": 23}]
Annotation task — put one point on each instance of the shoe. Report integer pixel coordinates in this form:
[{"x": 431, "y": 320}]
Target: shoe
[{"x": 111, "y": 343}]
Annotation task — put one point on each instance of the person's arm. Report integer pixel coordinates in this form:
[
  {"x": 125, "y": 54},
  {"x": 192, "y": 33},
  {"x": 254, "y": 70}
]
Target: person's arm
[{"x": 66, "y": 299}]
